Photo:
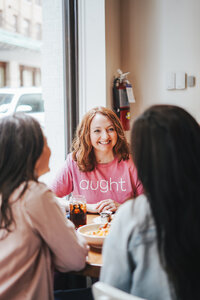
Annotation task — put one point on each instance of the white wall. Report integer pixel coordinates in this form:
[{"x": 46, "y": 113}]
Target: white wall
[
  {"x": 161, "y": 36},
  {"x": 113, "y": 44},
  {"x": 155, "y": 36}
]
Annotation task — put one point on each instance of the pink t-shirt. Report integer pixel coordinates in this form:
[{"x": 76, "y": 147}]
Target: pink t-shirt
[{"x": 115, "y": 180}]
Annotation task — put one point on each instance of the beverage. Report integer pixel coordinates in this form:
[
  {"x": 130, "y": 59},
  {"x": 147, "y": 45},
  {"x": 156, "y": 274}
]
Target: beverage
[{"x": 78, "y": 210}]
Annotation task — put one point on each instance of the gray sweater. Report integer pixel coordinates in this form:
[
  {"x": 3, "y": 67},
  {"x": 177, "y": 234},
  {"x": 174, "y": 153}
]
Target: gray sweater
[{"x": 130, "y": 257}]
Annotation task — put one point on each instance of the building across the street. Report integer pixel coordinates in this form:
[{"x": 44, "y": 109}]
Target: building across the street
[{"x": 20, "y": 42}]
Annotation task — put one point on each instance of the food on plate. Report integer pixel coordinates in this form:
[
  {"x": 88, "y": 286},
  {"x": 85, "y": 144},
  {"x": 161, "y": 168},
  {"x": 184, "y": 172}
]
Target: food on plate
[{"x": 101, "y": 231}]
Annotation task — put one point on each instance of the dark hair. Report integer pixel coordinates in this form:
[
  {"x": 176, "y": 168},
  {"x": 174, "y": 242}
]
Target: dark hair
[
  {"x": 82, "y": 148},
  {"x": 21, "y": 144},
  {"x": 165, "y": 142}
]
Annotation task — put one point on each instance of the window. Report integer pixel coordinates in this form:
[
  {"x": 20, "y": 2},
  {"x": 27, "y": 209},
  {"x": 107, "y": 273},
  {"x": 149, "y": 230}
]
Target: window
[
  {"x": 37, "y": 77},
  {"x": 38, "y": 30},
  {"x": 1, "y": 18},
  {"x": 2, "y": 74},
  {"x": 26, "y": 27},
  {"x": 34, "y": 101},
  {"x": 30, "y": 76},
  {"x": 6, "y": 98},
  {"x": 5, "y": 103},
  {"x": 27, "y": 77},
  {"x": 15, "y": 23}
]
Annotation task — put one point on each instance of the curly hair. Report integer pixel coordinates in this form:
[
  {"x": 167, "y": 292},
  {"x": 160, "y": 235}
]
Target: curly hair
[{"x": 82, "y": 149}]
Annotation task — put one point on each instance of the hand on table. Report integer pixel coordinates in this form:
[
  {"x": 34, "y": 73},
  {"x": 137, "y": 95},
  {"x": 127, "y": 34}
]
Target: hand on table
[
  {"x": 91, "y": 208},
  {"x": 103, "y": 205},
  {"x": 107, "y": 204}
]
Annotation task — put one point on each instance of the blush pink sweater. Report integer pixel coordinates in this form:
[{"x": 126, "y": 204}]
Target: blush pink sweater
[{"x": 41, "y": 239}]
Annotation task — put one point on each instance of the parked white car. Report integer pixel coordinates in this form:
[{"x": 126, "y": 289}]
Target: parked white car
[{"x": 27, "y": 100}]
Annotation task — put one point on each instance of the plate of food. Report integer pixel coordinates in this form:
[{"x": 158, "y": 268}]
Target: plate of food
[{"x": 94, "y": 234}]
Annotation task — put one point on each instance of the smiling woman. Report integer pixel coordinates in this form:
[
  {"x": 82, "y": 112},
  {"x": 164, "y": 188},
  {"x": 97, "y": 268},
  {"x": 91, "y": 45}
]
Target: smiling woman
[
  {"x": 99, "y": 167},
  {"x": 103, "y": 138}
]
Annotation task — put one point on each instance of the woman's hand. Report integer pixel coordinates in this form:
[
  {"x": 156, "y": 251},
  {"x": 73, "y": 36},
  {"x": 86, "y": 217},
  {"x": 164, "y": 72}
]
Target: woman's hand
[
  {"x": 107, "y": 204},
  {"x": 91, "y": 208}
]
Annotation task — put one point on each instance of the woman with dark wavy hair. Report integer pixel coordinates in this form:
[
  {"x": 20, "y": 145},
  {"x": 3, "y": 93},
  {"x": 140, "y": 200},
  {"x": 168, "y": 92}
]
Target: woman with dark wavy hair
[
  {"x": 99, "y": 167},
  {"x": 35, "y": 236},
  {"x": 157, "y": 251}
]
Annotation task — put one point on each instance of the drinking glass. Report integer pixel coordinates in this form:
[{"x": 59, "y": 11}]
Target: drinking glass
[{"x": 77, "y": 210}]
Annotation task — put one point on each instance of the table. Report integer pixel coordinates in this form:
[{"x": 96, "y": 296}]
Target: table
[{"x": 94, "y": 261}]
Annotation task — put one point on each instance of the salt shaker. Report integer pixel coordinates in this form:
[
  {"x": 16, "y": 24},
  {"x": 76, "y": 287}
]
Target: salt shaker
[{"x": 105, "y": 216}]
